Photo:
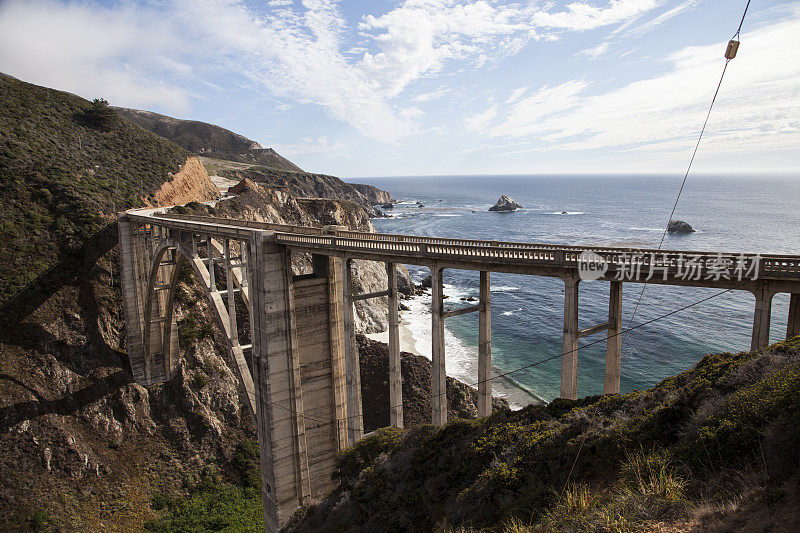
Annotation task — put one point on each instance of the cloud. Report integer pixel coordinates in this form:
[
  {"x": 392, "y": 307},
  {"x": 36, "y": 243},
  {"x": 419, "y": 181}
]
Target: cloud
[
  {"x": 480, "y": 121},
  {"x": 315, "y": 145},
  {"x": 757, "y": 110},
  {"x": 583, "y": 16},
  {"x": 92, "y": 51},
  {"x": 516, "y": 94}
]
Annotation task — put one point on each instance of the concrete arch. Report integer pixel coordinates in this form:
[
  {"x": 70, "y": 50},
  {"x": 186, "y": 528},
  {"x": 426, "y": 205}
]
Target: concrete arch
[{"x": 169, "y": 344}]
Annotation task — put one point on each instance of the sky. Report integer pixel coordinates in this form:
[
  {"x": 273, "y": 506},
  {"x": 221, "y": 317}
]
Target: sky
[{"x": 426, "y": 87}]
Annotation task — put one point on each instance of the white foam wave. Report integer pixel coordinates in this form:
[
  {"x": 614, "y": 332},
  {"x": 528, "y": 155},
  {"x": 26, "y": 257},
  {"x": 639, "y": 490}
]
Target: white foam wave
[
  {"x": 505, "y": 288},
  {"x": 566, "y": 213},
  {"x": 635, "y": 228},
  {"x": 447, "y": 215}
]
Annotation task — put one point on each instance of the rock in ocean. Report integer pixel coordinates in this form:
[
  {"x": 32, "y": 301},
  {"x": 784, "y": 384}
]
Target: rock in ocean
[
  {"x": 679, "y": 227},
  {"x": 505, "y": 203}
]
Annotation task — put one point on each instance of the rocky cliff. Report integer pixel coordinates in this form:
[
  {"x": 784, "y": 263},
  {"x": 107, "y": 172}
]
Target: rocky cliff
[
  {"x": 308, "y": 185},
  {"x": 190, "y": 184}
]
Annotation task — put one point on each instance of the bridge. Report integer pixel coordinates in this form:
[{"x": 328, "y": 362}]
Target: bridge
[{"x": 295, "y": 355}]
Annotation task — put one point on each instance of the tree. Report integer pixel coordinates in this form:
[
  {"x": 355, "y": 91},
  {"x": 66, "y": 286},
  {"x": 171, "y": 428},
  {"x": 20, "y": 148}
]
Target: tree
[{"x": 100, "y": 115}]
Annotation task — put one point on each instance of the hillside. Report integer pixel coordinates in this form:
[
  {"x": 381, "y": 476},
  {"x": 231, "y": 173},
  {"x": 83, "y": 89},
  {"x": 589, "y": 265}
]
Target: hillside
[
  {"x": 209, "y": 140},
  {"x": 234, "y": 156},
  {"x": 715, "y": 448},
  {"x": 62, "y": 179}
]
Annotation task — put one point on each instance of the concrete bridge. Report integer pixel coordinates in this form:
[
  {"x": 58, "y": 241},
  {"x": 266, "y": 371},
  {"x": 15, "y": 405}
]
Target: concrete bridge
[{"x": 295, "y": 355}]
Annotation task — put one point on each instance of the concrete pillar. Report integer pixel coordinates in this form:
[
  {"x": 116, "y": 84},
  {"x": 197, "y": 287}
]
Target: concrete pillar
[
  {"x": 336, "y": 337},
  {"x": 614, "y": 344},
  {"x": 793, "y": 324},
  {"x": 485, "y": 347},
  {"x": 131, "y": 298},
  {"x": 569, "y": 351},
  {"x": 212, "y": 282},
  {"x": 355, "y": 419},
  {"x": 231, "y": 295},
  {"x": 438, "y": 372},
  {"x": 395, "y": 369},
  {"x": 279, "y": 409},
  {"x": 761, "y": 317}
]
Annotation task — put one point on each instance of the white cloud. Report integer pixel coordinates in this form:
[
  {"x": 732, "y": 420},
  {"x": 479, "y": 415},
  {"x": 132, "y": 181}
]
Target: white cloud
[
  {"x": 583, "y": 16},
  {"x": 315, "y": 145},
  {"x": 758, "y": 109},
  {"x": 516, "y": 94},
  {"x": 480, "y": 121},
  {"x": 92, "y": 51}
]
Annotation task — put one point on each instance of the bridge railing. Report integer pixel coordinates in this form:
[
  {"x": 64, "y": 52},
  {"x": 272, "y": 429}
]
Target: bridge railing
[{"x": 669, "y": 263}]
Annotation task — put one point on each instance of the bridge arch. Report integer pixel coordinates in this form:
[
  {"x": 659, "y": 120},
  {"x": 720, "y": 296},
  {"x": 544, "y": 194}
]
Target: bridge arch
[{"x": 159, "y": 297}]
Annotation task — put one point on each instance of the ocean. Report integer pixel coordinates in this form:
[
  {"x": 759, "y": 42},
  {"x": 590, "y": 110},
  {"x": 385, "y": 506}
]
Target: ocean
[{"x": 756, "y": 214}]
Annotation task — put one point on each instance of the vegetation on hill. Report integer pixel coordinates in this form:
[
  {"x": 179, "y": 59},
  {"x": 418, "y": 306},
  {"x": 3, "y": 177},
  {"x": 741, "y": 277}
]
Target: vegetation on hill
[
  {"x": 208, "y": 139},
  {"x": 65, "y": 165},
  {"x": 714, "y": 447}
]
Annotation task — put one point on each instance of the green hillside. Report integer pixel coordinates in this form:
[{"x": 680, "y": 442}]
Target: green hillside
[
  {"x": 715, "y": 448},
  {"x": 62, "y": 177}
]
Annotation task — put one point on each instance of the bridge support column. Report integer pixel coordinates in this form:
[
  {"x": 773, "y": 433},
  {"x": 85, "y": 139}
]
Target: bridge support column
[
  {"x": 279, "y": 403},
  {"x": 131, "y": 297},
  {"x": 485, "y": 346},
  {"x": 438, "y": 372},
  {"x": 793, "y": 324},
  {"x": 355, "y": 420},
  {"x": 614, "y": 344},
  {"x": 761, "y": 317},
  {"x": 395, "y": 368},
  {"x": 569, "y": 352}
]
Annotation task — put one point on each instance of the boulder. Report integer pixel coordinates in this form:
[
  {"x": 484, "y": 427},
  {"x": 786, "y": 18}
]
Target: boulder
[
  {"x": 427, "y": 283},
  {"x": 387, "y": 205},
  {"x": 679, "y": 227},
  {"x": 505, "y": 203}
]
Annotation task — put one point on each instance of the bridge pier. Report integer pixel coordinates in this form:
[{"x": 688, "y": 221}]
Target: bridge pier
[
  {"x": 793, "y": 324},
  {"x": 761, "y": 316},
  {"x": 569, "y": 352},
  {"x": 438, "y": 372},
  {"x": 485, "y": 346},
  {"x": 395, "y": 366},
  {"x": 614, "y": 343},
  {"x": 355, "y": 420}
]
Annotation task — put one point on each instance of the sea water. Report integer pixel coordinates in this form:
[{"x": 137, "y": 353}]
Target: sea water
[{"x": 754, "y": 214}]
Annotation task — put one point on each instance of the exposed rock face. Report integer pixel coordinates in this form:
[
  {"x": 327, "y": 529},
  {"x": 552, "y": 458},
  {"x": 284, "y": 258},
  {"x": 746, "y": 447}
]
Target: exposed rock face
[
  {"x": 189, "y": 184},
  {"x": 306, "y": 185},
  {"x": 416, "y": 370},
  {"x": 679, "y": 227},
  {"x": 372, "y": 193},
  {"x": 505, "y": 204},
  {"x": 242, "y": 186}
]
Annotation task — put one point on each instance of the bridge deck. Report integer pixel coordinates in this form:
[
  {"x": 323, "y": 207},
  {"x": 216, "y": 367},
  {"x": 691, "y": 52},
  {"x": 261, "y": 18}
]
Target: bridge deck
[{"x": 727, "y": 270}]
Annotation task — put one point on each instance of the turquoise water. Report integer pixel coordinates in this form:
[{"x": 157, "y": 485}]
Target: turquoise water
[{"x": 753, "y": 214}]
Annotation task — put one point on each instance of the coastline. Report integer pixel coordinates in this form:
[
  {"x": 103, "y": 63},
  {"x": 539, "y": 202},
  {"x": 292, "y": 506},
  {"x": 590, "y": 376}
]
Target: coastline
[{"x": 517, "y": 395}]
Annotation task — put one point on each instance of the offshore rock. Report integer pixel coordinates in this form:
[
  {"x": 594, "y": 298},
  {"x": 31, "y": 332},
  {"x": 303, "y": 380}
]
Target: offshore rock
[
  {"x": 679, "y": 227},
  {"x": 505, "y": 204}
]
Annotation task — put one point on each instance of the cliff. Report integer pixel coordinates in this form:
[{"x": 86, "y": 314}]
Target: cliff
[
  {"x": 308, "y": 185},
  {"x": 190, "y": 184}
]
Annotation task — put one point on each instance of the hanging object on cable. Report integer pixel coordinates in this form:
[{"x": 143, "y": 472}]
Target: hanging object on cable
[{"x": 733, "y": 47}]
